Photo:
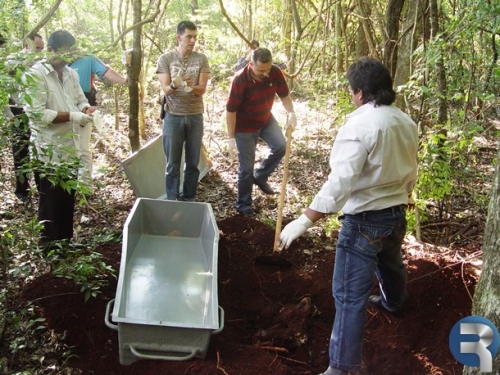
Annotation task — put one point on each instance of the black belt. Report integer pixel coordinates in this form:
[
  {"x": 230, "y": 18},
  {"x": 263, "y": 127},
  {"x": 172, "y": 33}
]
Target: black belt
[{"x": 393, "y": 209}]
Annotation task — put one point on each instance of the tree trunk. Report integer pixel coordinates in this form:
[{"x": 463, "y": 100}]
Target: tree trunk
[
  {"x": 362, "y": 48},
  {"x": 486, "y": 301},
  {"x": 339, "y": 47},
  {"x": 134, "y": 72},
  {"x": 251, "y": 30},
  {"x": 194, "y": 7},
  {"x": 411, "y": 31},
  {"x": 439, "y": 68},
  {"x": 145, "y": 78},
  {"x": 366, "y": 44},
  {"x": 299, "y": 31},
  {"x": 392, "y": 18},
  {"x": 286, "y": 33}
]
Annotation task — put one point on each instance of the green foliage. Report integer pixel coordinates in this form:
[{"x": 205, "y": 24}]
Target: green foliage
[
  {"x": 448, "y": 151},
  {"x": 14, "y": 17},
  {"x": 86, "y": 269},
  {"x": 331, "y": 224},
  {"x": 104, "y": 236},
  {"x": 270, "y": 222},
  {"x": 18, "y": 245},
  {"x": 25, "y": 322},
  {"x": 411, "y": 219},
  {"x": 18, "y": 324},
  {"x": 435, "y": 172},
  {"x": 445, "y": 166}
]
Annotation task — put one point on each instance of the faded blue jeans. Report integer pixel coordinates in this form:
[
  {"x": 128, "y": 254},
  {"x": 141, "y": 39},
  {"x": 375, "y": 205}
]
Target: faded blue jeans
[
  {"x": 181, "y": 132},
  {"x": 369, "y": 244},
  {"x": 272, "y": 134}
]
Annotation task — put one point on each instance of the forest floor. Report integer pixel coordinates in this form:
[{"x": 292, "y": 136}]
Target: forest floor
[{"x": 277, "y": 320}]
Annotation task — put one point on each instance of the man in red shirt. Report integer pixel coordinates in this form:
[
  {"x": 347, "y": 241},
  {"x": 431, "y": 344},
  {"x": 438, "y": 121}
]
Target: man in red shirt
[{"x": 249, "y": 118}]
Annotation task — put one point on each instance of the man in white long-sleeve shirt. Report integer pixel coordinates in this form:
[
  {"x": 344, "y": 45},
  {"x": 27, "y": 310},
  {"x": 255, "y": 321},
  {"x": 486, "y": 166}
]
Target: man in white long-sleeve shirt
[
  {"x": 373, "y": 171},
  {"x": 56, "y": 110}
]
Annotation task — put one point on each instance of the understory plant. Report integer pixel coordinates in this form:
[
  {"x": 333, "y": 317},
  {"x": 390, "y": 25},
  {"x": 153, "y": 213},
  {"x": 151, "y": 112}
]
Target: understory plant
[{"x": 86, "y": 268}]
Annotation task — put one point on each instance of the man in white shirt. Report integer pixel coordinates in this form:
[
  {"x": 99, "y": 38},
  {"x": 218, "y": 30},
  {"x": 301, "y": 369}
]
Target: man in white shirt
[
  {"x": 58, "y": 107},
  {"x": 373, "y": 171}
]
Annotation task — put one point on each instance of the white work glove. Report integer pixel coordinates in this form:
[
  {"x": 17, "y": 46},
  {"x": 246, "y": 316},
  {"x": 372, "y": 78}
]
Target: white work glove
[
  {"x": 233, "y": 150},
  {"x": 176, "y": 82},
  {"x": 186, "y": 87},
  {"x": 294, "y": 230},
  {"x": 98, "y": 122},
  {"x": 80, "y": 118},
  {"x": 292, "y": 120}
]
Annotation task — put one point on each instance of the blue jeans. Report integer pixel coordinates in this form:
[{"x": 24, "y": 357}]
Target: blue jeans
[
  {"x": 181, "y": 132},
  {"x": 272, "y": 134},
  {"x": 369, "y": 244}
]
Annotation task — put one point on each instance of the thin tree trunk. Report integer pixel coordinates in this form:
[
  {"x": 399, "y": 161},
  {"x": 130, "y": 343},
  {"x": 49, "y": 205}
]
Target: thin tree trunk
[
  {"x": 486, "y": 302},
  {"x": 494, "y": 60},
  {"x": 251, "y": 30},
  {"x": 339, "y": 33},
  {"x": 145, "y": 79},
  {"x": 298, "y": 36},
  {"x": 439, "y": 68},
  {"x": 392, "y": 20},
  {"x": 412, "y": 29},
  {"x": 194, "y": 7},
  {"x": 286, "y": 33},
  {"x": 366, "y": 44},
  {"x": 134, "y": 72}
]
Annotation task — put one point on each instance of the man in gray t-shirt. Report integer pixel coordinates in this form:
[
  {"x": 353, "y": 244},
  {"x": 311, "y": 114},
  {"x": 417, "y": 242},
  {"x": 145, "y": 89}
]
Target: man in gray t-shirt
[{"x": 183, "y": 75}]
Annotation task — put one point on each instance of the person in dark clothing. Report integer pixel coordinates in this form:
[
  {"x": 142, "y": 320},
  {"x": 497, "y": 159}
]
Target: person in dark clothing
[
  {"x": 20, "y": 136},
  {"x": 244, "y": 60}
]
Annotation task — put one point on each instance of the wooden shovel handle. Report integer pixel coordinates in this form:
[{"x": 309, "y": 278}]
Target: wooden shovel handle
[{"x": 283, "y": 188}]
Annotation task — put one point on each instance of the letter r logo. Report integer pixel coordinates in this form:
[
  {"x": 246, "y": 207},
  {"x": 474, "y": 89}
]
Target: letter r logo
[
  {"x": 485, "y": 337},
  {"x": 474, "y": 342}
]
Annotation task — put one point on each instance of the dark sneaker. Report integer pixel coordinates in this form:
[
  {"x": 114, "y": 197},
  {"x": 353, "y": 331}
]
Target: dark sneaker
[
  {"x": 264, "y": 186},
  {"x": 23, "y": 197},
  {"x": 249, "y": 212},
  {"x": 184, "y": 199},
  {"x": 376, "y": 301}
]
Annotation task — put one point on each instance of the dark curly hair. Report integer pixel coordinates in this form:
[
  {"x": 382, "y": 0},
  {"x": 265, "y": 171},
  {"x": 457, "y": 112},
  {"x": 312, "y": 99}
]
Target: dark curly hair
[{"x": 373, "y": 78}]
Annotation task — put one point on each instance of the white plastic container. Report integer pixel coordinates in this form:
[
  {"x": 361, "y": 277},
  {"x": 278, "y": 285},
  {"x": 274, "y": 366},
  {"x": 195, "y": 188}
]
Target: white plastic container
[{"x": 145, "y": 169}]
